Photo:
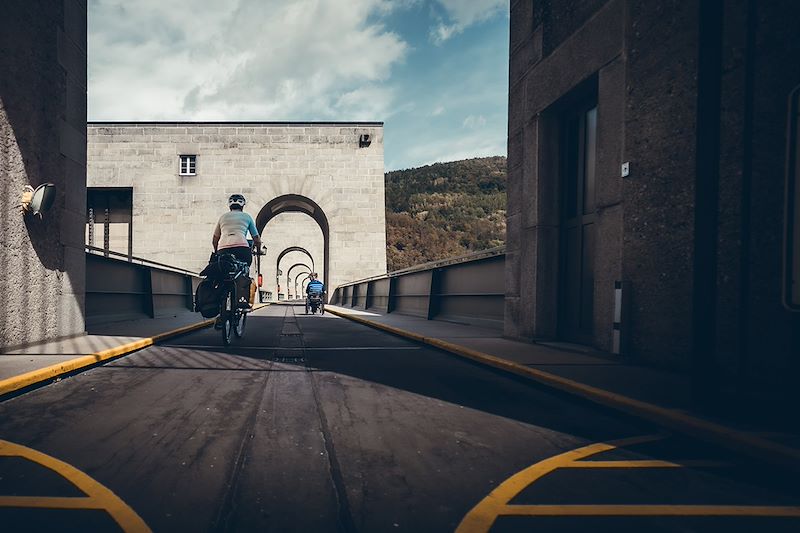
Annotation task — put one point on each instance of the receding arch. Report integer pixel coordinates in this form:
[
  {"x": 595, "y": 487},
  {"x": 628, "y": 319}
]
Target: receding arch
[
  {"x": 293, "y": 249},
  {"x": 289, "y": 272},
  {"x": 289, "y": 277},
  {"x": 295, "y": 203}
]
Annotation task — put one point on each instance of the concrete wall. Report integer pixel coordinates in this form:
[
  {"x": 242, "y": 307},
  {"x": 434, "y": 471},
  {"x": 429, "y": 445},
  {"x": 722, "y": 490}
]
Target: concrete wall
[
  {"x": 174, "y": 216},
  {"x": 42, "y": 139},
  {"x": 641, "y": 58}
]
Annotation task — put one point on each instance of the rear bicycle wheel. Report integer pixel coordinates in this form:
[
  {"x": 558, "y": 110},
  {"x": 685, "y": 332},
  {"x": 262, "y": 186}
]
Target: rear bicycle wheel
[
  {"x": 228, "y": 310},
  {"x": 242, "y": 320}
]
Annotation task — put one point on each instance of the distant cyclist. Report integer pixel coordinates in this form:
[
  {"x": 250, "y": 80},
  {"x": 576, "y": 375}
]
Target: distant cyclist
[
  {"x": 315, "y": 286},
  {"x": 230, "y": 235}
]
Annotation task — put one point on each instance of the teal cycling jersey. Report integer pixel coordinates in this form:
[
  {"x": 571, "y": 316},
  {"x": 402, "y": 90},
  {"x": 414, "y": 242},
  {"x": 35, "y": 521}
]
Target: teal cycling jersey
[{"x": 232, "y": 229}]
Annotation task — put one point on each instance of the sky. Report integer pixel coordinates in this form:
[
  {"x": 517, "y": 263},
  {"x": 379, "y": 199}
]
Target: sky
[{"x": 434, "y": 71}]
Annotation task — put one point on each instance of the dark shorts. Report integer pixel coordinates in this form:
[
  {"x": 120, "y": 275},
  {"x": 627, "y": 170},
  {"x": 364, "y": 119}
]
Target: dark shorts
[{"x": 242, "y": 253}]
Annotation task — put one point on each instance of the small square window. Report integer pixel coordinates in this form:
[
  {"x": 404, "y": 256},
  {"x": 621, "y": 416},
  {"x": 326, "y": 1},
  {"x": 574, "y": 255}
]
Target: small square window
[{"x": 188, "y": 165}]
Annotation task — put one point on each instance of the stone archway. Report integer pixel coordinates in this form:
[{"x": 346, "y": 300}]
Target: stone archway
[
  {"x": 289, "y": 275},
  {"x": 289, "y": 272},
  {"x": 293, "y": 249},
  {"x": 295, "y": 203}
]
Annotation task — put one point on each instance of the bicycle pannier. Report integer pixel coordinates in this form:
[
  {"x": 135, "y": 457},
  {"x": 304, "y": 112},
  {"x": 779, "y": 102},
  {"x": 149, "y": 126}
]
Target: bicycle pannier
[{"x": 208, "y": 297}]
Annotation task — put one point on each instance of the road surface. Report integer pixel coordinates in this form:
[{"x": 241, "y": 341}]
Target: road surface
[{"x": 315, "y": 423}]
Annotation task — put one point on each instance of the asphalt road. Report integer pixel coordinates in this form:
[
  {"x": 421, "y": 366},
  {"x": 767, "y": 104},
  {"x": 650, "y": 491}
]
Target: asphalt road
[{"x": 314, "y": 423}]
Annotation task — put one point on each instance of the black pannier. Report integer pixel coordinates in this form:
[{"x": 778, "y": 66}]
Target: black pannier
[{"x": 208, "y": 297}]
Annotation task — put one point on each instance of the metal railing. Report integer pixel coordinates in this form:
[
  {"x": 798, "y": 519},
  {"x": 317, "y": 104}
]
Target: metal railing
[
  {"x": 467, "y": 289},
  {"x": 138, "y": 260},
  {"x": 122, "y": 287}
]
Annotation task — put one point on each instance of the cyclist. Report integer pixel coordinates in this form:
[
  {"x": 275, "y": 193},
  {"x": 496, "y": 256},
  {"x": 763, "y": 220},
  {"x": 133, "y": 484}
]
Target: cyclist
[
  {"x": 315, "y": 285},
  {"x": 230, "y": 236}
]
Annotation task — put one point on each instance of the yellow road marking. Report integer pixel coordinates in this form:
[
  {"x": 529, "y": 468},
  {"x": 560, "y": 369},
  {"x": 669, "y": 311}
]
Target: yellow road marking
[
  {"x": 483, "y": 515},
  {"x": 650, "y": 510},
  {"x": 99, "y": 497},
  {"x": 481, "y": 518},
  {"x": 645, "y": 464},
  {"x": 49, "y": 502},
  {"x": 751, "y": 444},
  {"x": 40, "y": 375}
]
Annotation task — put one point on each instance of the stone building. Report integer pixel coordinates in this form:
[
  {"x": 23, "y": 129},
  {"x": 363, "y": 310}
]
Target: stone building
[
  {"x": 156, "y": 190},
  {"x": 42, "y": 140},
  {"x": 647, "y": 150}
]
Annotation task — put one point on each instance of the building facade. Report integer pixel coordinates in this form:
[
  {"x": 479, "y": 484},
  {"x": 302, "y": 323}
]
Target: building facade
[
  {"x": 648, "y": 152},
  {"x": 156, "y": 190},
  {"x": 42, "y": 140}
]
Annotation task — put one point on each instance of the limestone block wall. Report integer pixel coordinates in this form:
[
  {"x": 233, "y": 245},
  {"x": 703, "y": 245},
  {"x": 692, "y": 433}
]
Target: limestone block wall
[
  {"x": 42, "y": 139},
  {"x": 174, "y": 215}
]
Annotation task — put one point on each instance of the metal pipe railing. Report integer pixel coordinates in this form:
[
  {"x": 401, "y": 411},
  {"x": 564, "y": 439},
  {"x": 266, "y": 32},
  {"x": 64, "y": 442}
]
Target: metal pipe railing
[{"x": 138, "y": 260}]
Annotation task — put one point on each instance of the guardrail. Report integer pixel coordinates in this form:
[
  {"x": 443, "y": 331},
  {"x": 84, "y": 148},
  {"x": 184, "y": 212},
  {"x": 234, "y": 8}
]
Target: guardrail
[
  {"x": 468, "y": 289},
  {"x": 121, "y": 287}
]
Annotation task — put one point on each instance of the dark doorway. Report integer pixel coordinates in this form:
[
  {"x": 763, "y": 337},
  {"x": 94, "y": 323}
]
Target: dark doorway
[
  {"x": 578, "y": 162},
  {"x": 109, "y": 219}
]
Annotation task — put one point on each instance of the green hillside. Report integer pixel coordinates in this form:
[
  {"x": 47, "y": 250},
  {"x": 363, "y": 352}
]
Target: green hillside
[{"x": 445, "y": 209}]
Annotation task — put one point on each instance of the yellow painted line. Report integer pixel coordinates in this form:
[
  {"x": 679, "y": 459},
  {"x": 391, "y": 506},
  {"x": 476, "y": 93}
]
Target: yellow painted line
[
  {"x": 100, "y": 497},
  {"x": 651, "y": 510},
  {"x": 483, "y": 515},
  {"x": 750, "y": 444},
  {"x": 48, "y": 373},
  {"x": 48, "y": 502},
  {"x": 646, "y": 464}
]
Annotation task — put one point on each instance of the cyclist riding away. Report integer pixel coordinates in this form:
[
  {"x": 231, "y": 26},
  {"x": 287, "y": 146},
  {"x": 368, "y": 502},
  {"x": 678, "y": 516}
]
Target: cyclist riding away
[
  {"x": 315, "y": 285},
  {"x": 315, "y": 295},
  {"x": 230, "y": 236}
]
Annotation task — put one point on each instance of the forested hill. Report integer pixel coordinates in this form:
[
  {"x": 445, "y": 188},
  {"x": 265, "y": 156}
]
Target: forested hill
[{"x": 445, "y": 209}]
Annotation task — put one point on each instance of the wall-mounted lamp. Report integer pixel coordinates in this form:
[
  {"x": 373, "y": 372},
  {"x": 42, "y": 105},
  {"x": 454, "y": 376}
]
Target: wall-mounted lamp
[
  {"x": 39, "y": 200},
  {"x": 364, "y": 140}
]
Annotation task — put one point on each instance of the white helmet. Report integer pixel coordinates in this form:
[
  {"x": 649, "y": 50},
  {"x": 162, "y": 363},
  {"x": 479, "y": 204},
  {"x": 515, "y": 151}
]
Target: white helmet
[{"x": 236, "y": 199}]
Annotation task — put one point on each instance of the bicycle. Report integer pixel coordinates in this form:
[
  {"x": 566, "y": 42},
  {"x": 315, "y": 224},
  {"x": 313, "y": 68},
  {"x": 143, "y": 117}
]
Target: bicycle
[
  {"x": 316, "y": 302},
  {"x": 233, "y": 318}
]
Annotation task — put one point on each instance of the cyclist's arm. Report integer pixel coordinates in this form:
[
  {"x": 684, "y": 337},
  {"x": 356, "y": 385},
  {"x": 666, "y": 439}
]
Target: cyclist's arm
[{"x": 254, "y": 233}]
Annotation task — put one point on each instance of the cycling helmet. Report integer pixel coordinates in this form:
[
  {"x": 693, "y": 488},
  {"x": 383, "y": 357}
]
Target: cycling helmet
[{"x": 236, "y": 199}]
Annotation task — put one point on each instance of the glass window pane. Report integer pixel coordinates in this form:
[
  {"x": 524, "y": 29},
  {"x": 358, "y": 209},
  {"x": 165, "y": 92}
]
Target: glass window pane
[
  {"x": 570, "y": 157},
  {"x": 792, "y": 269},
  {"x": 590, "y": 159}
]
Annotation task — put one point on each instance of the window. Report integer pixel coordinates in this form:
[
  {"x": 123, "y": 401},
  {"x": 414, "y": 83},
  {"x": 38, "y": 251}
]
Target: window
[{"x": 188, "y": 165}]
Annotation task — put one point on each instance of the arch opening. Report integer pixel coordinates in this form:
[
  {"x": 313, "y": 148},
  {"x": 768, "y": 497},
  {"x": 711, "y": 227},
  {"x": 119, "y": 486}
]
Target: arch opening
[
  {"x": 295, "y": 203},
  {"x": 296, "y": 277},
  {"x": 295, "y": 256}
]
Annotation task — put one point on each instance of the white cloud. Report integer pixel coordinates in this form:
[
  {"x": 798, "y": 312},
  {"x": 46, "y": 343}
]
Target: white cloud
[
  {"x": 241, "y": 60},
  {"x": 437, "y": 111},
  {"x": 464, "y": 13},
  {"x": 474, "y": 122}
]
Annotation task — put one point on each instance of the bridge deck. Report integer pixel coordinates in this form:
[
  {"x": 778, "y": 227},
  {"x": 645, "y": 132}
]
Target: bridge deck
[{"x": 316, "y": 423}]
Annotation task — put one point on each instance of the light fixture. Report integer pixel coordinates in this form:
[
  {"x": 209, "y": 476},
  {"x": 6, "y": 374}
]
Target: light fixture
[
  {"x": 39, "y": 200},
  {"x": 364, "y": 140}
]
